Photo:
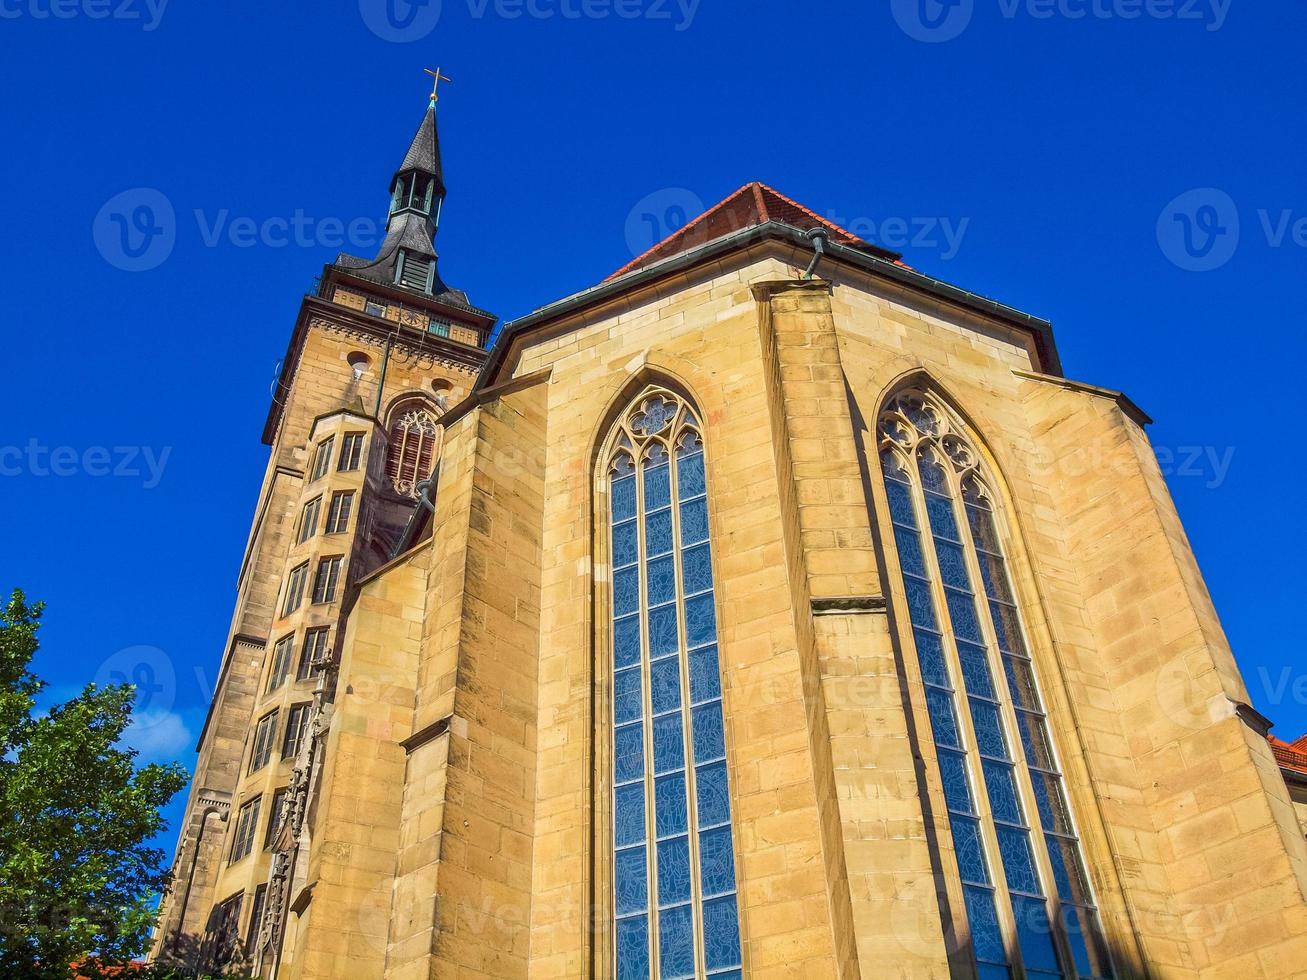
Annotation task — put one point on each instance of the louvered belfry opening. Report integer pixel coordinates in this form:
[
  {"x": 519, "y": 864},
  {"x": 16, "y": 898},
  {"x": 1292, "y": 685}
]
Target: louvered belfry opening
[{"x": 411, "y": 454}]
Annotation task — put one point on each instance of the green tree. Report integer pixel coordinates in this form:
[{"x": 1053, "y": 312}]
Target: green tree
[{"x": 77, "y": 877}]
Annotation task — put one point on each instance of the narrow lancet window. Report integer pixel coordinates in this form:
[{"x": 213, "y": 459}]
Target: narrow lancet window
[
  {"x": 1025, "y": 891},
  {"x": 675, "y": 910}
]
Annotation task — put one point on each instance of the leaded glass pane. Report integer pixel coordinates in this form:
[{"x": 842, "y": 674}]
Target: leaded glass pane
[
  {"x": 943, "y": 720},
  {"x": 627, "y": 702},
  {"x": 658, "y": 533},
  {"x": 689, "y": 470},
  {"x": 694, "y": 522},
  {"x": 714, "y": 804},
  {"x": 628, "y": 814},
  {"x": 701, "y": 620},
  {"x": 626, "y": 591},
  {"x": 626, "y": 544},
  {"x": 952, "y": 565},
  {"x": 668, "y": 743},
  {"x": 673, "y": 871},
  {"x": 623, "y": 499},
  {"x": 665, "y": 685},
  {"x": 1021, "y": 683},
  {"x": 626, "y": 641},
  {"x": 1035, "y": 934},
  {"x": 1018, "y": 860},
  {"x": 670, "y": 813},
  {"x": 716, "y": 861},
  {"x": 989, "y": 728},
  {"x": 705, "y": 675},
  {"x": 657, "y": 485},
  {"x": 921, "y": 606},
  {"x": 1034, "y": 739},
  {"x": 697, "y": 569},
  {"x": 942, "y": 523},
  {"x": 932, "y": 473},
  {"x": 709, "y": 738},
  {"x": 982, "y": 527},
  {"x": 662, "y": 631},
  {"x": 982, "y": 917},
  {"x": 975, "y": 669},
  {"x": 628, "y": 753},
  {"x": 970, "y": 851},
  {"x": 962, "y": 611},
  {"x": 1007, "y": 627},
  {"x": 633, "y": 948},
  {"x": 957, "y": 788},
  {"x": 721, "y": 933},
  {"x": 1002, "y": 792},
  {"x": 676, "y": 943},
  {"x": 1051, "y": 802},
  {"x": 1067, "y": 872},
  {"x": 631, "y": 874},
  {"x": 930, "y": 650},
  {"x": 910, "y": 556},
  {"x": 900, "y": 504},
  {"x": 662, "y": 581}
]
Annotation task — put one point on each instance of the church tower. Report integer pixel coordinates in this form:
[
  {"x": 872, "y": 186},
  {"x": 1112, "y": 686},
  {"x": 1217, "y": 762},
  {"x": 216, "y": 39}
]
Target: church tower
[
  {"x": 378, "y": 354},
  {"x": 769, "y": 609}
]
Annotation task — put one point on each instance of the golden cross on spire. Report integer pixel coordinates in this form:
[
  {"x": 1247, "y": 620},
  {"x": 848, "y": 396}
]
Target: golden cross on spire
[{"x": 437, "y": 78}]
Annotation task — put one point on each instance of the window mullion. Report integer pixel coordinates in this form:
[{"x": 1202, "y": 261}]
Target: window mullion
[
  {"x": 962, "y": 704},
  {"x": 687, "y": 719},
  {"x": 646, "y": 722}
]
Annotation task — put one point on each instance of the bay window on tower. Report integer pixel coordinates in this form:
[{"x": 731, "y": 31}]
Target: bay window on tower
[{"x": 1027, "y": 904}]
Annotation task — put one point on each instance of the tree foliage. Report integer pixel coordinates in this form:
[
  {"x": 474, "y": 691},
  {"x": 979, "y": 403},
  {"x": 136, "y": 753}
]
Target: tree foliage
[{"x": 77, "y": 877}]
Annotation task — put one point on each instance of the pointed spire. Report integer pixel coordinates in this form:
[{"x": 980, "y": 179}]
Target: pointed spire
[{"x": 423, "y": 156}]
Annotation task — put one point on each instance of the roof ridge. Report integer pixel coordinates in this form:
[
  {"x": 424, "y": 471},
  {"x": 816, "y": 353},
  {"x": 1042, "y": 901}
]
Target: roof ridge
[{"x": 683, "y": 231}]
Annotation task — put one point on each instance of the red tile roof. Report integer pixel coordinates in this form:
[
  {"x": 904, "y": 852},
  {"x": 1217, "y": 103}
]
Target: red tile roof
[
  {"x": 1293, "y": 756},
  {"x": 753, "y": 204}
]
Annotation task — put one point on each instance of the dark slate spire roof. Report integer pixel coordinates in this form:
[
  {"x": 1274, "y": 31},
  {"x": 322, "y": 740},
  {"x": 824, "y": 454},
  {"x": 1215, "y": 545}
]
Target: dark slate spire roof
[
  {"x": 410, "y": 230},
  {"x": 424, "y": 153}
]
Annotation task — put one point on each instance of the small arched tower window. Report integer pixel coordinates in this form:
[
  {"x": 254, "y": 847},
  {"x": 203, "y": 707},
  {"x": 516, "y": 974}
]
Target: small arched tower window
[
  {"x": 1026, "y": 893},
  {"x": 411, "y": 455}
]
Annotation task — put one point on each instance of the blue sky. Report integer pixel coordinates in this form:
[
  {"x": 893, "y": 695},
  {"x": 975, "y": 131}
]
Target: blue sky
[{"x": 1044, "y": 152}]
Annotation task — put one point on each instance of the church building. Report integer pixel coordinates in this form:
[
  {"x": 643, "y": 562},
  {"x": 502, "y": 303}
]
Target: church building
[{"x": 768, "y": 609}]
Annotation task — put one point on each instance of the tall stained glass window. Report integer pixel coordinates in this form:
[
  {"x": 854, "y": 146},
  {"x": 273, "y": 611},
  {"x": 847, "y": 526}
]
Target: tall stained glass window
[
  {"x": 1023, "y": 877},
  {"x": 675, "y": 912}
]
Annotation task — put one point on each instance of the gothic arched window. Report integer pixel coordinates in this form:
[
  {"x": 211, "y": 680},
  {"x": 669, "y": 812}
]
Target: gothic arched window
[
  {"x": 411, "y": 453},
  {"x": 1023, "y": 877},
  {"x": 674, "y": 906}
]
